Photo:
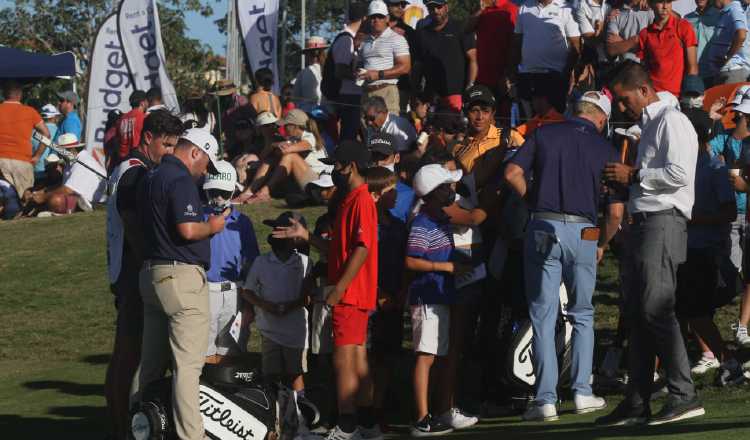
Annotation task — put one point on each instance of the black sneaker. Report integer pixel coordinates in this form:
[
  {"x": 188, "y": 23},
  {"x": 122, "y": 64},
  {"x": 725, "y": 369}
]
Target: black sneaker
[
  {"x": 675, "y": 410},
  {"x": 430, "y": 427},
  {"x": 625, "y": 414}
]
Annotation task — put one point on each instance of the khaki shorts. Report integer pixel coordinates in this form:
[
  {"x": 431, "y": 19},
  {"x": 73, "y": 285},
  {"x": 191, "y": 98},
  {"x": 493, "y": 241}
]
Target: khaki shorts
[
  {"x": 389, "y": 94},
  {"x": 18, "y": 173},
  {"x": 281, "y": 360}
]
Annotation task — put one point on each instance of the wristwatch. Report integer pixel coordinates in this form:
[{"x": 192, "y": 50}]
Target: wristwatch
[{"x": 381, "y": 74}]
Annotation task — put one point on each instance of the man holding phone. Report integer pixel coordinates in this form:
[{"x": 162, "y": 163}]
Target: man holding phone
[{"x": 567, "y": 161}]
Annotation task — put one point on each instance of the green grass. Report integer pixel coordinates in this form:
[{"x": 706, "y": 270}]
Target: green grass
[{"x": 56, "y": 327}]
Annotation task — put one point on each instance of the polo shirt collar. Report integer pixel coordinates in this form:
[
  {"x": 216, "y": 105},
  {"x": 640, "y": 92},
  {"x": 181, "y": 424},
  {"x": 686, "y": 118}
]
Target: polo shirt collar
[
  {"x": 671, "y": 24},
  {"x": 355, "y": 192},
  {"x": 588, "y": 125},
  {"x": 290, "y": 261},
  {"x": 385, "y": 33},
  {"x": 492, "y": 133},
  {"x": 653, "y": 110}
]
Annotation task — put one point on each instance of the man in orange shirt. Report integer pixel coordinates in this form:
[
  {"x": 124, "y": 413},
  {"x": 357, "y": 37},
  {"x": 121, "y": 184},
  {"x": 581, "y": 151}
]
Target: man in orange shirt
[
  {"x": 544, "y": 112},
  {"x": 17, "y": 122}
]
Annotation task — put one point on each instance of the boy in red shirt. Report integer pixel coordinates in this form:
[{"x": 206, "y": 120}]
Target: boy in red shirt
[
  {"x": 353, "y": 274},
  {"x": 130, "y": 125}
]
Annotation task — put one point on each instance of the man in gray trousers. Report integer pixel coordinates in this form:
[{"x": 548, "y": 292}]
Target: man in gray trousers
[{"x": 661, "y": 200}]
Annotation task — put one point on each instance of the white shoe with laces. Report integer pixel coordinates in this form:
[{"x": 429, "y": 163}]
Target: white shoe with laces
[
  {"x": 704, "y": 365},
  {"x": 458, "y": 419},
  {"x": 337, "y": 434},
  {"x": 546, "y": 412},
  {"x": 741, "y": 336},
  {"x": 587, "y": 404}
]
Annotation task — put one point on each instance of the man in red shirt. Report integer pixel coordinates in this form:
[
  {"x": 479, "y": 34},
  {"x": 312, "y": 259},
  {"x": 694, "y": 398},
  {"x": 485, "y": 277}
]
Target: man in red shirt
[
  {"x": 353, "y": 274},
  {"x": 130, "y": 125},
  {"x": 493, "y": 23},
  {"x": 668, "y": 48}
]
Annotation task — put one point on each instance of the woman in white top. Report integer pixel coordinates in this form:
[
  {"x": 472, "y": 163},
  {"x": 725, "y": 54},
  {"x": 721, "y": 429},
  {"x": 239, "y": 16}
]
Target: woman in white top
[
  {"x": 297, "y": 156},
  {"x": 195, "y": 112}
]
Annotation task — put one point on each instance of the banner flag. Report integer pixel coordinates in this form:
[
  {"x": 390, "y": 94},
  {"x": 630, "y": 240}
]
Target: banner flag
[
  {"x": 259, "y": 28},
  {"x": 140, "y": 33},
  {"x": 109, "y": 82}
]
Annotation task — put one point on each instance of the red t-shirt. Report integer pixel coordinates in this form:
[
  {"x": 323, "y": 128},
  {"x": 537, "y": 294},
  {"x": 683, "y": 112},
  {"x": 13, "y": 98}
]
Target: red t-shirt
[
  {"x": 356, "y": 224},
  {"x": 663, "y": 52},
  {"x": 494, "y": 38},
  {"x": 129, "y": 129}
]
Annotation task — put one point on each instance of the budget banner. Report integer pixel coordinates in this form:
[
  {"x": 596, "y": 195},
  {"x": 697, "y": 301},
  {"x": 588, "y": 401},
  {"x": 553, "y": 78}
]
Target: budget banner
[
  {"x": 109, "y": 82},
  {"x": 259, "y": 28},
  {"x": 140, "y": 33}
]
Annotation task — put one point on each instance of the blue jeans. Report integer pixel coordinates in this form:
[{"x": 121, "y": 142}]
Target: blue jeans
[{"x": 554, "y": 253}]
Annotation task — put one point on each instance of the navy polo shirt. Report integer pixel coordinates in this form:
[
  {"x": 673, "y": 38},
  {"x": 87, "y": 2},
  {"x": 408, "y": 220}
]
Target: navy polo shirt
[
  {"x": 169, "y": 197},
  {"x": 566, "y": 161}
]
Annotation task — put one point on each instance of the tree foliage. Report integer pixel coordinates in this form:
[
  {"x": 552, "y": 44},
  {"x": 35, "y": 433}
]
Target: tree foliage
[{"x": 53, "y": 26}]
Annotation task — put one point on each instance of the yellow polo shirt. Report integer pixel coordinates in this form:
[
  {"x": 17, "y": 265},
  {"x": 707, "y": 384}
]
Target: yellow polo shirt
[{"x": 475, "y": 148}]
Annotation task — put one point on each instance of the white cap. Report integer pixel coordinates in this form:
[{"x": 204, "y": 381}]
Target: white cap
[
  {"x": 744, "y": 106},
  {"x": 68, "y": 140},
  {"x": 265, "y": 118},
  {"x": 323, "y": 181},
  {"x": 52, "y": 158},
  {"x": 202, "y": 139},
  {"x": 431, "y": 176},
  {"x": 377, "y": 7},
  {"x": 739, "y": 94},
  {"x": 50, "y": 111},
  {"x": 599, "y": 99},
  {"x": 225, "y": 179}
]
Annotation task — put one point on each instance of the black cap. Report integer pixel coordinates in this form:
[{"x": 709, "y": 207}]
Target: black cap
[
  {"x": 383, "y": 143},
  {"x": 479, "y": 93},
  {"x": 285, "y": 219},
  {"x": 357, "y": 11},
  {"x": 137, "y": 97},
  {"x": 347, "y": 152}
]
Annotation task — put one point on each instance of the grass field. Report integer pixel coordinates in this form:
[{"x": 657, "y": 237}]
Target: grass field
[{"x": 56, "y": 327}]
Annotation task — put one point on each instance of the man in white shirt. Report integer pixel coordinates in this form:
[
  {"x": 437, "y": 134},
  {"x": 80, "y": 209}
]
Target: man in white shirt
[
  {"x": 306, "y": 90},
  {"x": 546, "y": 46},
  {"x": 385, "y": 57},
  {"x": 661, "y": 201},
  {"x": 378, "y": 120}
]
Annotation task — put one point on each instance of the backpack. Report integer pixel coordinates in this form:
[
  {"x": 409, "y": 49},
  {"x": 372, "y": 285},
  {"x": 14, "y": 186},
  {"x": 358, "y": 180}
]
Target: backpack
[{"x": 329, "y": 84}]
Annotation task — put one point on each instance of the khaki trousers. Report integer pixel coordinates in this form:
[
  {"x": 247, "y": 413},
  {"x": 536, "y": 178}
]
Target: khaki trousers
[
  {"x": 175, "y": 325},
  {"x": 18, "y": 173},
  {"x": 389, "y": 94}
]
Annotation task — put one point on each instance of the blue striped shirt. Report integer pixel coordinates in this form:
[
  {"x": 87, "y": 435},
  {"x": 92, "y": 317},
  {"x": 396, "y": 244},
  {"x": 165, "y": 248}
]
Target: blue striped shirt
[{"x": 432, "y": 240}]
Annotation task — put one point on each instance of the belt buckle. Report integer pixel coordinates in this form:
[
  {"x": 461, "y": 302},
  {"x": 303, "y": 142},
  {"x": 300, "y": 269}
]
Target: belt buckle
[{"x": 225, "y": 286}]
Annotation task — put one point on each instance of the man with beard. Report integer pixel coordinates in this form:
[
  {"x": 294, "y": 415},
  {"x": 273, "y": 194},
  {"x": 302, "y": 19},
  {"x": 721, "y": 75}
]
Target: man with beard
[{"x": 125, "y": 252}]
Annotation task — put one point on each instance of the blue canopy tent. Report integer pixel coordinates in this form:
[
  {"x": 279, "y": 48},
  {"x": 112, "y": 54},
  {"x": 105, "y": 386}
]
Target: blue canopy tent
[{"x": 20, "y": 64}]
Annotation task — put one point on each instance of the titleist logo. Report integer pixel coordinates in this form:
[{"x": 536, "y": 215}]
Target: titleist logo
[{"x": 213, "y": 409}]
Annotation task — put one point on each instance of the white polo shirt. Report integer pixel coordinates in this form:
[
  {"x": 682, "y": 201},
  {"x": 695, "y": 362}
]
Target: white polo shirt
[
  {"x": 400, "y": 128},
  {"x": 379, "y": 53},
  {"x": 545, "y": 32}
]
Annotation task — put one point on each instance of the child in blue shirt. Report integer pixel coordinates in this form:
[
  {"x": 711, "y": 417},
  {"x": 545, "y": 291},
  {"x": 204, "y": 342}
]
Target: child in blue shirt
[{"x": 233, "y": 250}]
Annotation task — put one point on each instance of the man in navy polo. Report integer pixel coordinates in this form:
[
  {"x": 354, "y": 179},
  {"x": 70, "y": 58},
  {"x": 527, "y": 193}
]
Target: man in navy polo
[
  {"x": 566, "y": 161},
  {"x": 173, "y": 280}
]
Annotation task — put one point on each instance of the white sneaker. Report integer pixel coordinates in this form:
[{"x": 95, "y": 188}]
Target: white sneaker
[
  {"x": 537, "y": 413},
  {"x": 373, "y": 433},
  {"x": 587, "y": 404},
  {"x": 704, "y": 365},
  {"x": 458, "y": 419},
  {"x": 741, "y": 336},
  {"x": 337, "y": 434}
]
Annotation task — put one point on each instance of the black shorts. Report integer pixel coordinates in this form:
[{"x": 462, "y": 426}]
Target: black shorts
[
  {"x": 697, "y": 280},
  {"x": 386, "y": 332}
]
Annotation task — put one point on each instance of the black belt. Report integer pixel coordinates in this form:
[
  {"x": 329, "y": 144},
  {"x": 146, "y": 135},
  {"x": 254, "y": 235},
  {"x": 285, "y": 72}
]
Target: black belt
[
  {"x": 640, "y": 217},
  {"x": 558, "y": 217}
]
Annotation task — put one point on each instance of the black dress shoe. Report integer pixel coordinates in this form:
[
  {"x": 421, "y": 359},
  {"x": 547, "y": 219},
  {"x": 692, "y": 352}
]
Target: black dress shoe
[
  {"x": 675, "y": 410},
  {"x": 625, "y": 414}
]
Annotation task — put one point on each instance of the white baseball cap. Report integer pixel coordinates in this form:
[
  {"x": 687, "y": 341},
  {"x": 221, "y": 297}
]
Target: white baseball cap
[
  {"x": 50, "y": 111},
  {"x": 431, "y": 176},
  {"x": 744, "y": 106},
  {"x": 52, "y": 158},
  {"x": 225, "y": 178},
  {"x": 68, "y": 140},
  {"x": 204, "y": 140},
  {"x": 377, "y": 7},
  {"x": 599, "y": 99},
  {"x": 265, "y": 118},
  {"x": 741, "y": 92}
]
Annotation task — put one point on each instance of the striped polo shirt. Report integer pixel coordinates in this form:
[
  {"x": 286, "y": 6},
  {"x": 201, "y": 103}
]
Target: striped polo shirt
[
  {"x": 379, "y": 53},
  {"x": 432, "y": 240}
]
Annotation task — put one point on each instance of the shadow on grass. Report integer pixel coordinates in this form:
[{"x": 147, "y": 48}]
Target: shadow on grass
[
  {"x": 77, "y": 422},
  {"x": 97, "y": 359},
  {"x": 71, "y": 388}
]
